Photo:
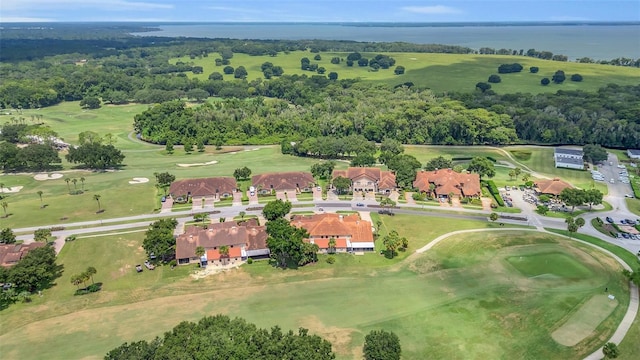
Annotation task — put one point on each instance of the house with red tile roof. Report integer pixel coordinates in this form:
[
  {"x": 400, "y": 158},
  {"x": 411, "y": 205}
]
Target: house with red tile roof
[
  {"x": 551, "y": 187},
  {"x": 446, "y": 181},
  {"x": 368, "y": 179},
  {"x": 349, "y": 231},
  {"x": 10, "y": 254},
  {"x": 294, "y": 182},
  {"x": 214, "y": 187},
  {"x": 242, "y": 239}
]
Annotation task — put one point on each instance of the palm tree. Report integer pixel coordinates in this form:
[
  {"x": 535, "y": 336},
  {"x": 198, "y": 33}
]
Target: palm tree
[
  {"x": 199, "y": 254},
  {"x": 224, "y": 252},
  {"x": 96, "y": 197},
  {"x": 75, "y": 184},
  {"x": 332, "y": 245},
  {"x": 67, "y": 181},
  {"x": 91, "y": 271},
  {"x": 82, "y": 181},
  {"x": 40, "y": 194},
  {"x": 4, "y": 207},
  {"x": 76, "y": 280}
]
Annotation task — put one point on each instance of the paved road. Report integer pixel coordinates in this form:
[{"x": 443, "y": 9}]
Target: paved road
[{"x": 615, "y": 198}]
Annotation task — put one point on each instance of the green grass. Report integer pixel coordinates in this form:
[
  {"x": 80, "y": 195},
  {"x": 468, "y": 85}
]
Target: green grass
[
  {"x": 541, "y": 161},
  {"x": 630, "y": 346},
  {"x": 440, "y": 72},
  {"x": 553, "y": 264},
  {"x": 459, "y": 300}
]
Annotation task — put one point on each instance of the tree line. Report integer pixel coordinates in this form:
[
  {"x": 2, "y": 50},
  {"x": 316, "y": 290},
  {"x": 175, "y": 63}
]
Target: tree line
[
  {"x": 338, "y": 110},
  {"x": 609, "y": 117}
]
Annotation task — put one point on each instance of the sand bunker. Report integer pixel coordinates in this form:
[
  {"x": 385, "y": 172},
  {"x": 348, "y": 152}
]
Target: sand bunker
[
  {"x": 13, "y": 189},
  {"x": 42, "y": 177},
  {"x": 140, "y": 180},
  {"x": 198, "y": 164}
]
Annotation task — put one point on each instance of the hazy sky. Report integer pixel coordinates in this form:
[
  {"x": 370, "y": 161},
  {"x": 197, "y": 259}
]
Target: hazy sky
[{"x": 318, "y": 10}]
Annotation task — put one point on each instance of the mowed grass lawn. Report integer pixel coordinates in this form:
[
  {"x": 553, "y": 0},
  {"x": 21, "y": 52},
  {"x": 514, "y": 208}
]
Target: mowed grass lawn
[
  {"x": 540, "y": 159},
  {"x": 462, "y": 299},
  {"x": 439, "y": 72}
]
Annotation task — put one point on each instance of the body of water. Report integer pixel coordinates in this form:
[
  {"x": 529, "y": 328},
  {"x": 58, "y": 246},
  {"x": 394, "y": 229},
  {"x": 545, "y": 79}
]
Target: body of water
[{"x": 575, "y": 41}]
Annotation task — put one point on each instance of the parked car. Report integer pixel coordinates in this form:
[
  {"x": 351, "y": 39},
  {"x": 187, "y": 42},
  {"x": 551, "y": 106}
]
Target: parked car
[
  {"x": 609, "y": 220},
  {"x": 163, "y": 199},
  {"x": 149, "y": 265},
  {"x": 386, "y": 212},
  {"x": 139, "y": 268}
]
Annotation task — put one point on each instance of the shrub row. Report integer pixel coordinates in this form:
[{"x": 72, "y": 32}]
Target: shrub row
[
  {"x": 493, "y": 189},
  {"x": 635, "y": 185}
]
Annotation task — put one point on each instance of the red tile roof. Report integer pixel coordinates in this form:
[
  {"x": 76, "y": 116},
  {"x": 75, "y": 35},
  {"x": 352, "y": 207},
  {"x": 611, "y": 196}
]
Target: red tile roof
[
  {"x": 248, "y": 233},
  {"x": 283, "y": 180},
  {"x": 10, "y": 254},
  {"x": 448, "y": 181},
  {"x": 335, "y": 225},
  {"x": 341, "y": 243},
  {"x": 553, "y": 186},
  {"x": 204, "y": 186},
  {"x": 383, "y": 179},
  {"x": 234, "y": 252}
]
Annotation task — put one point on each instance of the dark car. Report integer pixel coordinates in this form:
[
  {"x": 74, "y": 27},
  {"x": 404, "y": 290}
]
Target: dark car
[
  {"x": 625, "y": 235},
  {"x": 386, "y": 212},
  {"x": 609, "y": 220},
  {"x": 360, "y": 204}
]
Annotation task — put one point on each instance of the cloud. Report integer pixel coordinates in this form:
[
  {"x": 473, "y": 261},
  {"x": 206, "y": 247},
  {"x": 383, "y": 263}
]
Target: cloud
[
  {"x": 431, "y": 10},
  {"x": 73, "y": 4}
]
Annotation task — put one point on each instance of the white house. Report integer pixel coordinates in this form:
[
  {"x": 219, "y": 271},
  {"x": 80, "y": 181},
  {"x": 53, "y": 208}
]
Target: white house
[
  {"x": 634, "y": 153},
  {"x": 569, "y": 158}
]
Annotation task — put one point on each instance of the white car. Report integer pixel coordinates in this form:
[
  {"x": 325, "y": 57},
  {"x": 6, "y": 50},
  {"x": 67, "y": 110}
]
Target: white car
[
  {"x": 629, "y": 196},
  {"x": 612, "y": 181}
]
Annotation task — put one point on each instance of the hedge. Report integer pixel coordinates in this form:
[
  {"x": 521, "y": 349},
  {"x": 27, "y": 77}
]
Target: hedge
[{"x": 493, "y": 189}]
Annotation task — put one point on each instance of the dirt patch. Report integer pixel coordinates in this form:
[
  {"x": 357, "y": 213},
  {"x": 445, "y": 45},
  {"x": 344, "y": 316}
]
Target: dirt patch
[
  {"x": 212, "y": 269},
  {"x": 585, "y": 320},
  {"x": 42, "y": 177},
  {"x": 340, "y": 338}
]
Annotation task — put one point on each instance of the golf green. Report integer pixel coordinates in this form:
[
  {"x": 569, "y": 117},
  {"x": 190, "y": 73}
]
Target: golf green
[{"x": 547, "y": 265}]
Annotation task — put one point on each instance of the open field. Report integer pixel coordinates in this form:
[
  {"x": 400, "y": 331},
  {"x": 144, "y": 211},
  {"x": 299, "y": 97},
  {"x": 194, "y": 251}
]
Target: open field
[
  {"x": 462, "y": 299},
  {"x": 440, "y": 72}
]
